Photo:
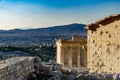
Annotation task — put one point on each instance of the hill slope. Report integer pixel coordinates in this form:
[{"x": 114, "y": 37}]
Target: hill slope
[{"x": 40, "y": 35}]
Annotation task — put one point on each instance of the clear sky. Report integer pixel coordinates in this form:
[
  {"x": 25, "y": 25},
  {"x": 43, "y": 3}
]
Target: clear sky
[{"x": 25, "y": 14}]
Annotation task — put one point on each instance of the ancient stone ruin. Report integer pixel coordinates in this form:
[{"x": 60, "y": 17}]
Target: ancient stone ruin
[
  {"x": 97, "y": 58},
  {"x": 103, "y": 44},
  {"x": 72, "y": 53},
  {"x": 102, "y": 51},
  {"x": 16, "y": 68}
]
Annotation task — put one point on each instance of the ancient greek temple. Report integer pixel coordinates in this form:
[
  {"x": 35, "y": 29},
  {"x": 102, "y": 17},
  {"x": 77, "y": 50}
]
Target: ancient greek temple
[{"x": 72, "y": 53}]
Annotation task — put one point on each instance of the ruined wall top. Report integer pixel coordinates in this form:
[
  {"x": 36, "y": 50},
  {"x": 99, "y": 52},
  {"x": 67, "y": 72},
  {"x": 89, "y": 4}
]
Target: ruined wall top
[
  {"x": 74, "y": 40},
  {"x": 77, "y": 38},
  {"x": 104, "y": 21}
]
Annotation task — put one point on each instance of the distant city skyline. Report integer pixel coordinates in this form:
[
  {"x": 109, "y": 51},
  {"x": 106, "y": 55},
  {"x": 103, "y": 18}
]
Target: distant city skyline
[{"x": 26, "y": 14}]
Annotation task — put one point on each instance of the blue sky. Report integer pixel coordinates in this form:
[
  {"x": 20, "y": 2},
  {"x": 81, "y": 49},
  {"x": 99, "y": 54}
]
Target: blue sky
[{"x": 25, "y": 14}]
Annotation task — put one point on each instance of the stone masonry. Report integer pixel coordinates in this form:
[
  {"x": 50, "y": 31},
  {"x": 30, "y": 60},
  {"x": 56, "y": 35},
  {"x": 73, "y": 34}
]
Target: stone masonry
[
  {"x": 103, "y": 44},
  {"x": 72, "y": 53},
  {"x": 17, "y": 68}
]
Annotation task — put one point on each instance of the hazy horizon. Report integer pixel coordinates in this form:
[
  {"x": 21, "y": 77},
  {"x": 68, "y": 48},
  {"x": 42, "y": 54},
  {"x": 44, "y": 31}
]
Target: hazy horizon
[
  {"x": 27, "y": 14},
  {"x": 41, "y": 27}
]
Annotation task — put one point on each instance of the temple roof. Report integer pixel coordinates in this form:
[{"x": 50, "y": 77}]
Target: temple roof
[{"x": 104, "y": 21}]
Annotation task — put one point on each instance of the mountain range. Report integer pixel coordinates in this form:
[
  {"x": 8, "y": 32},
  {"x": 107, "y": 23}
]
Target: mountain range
[{"x": 18, "y": 37}]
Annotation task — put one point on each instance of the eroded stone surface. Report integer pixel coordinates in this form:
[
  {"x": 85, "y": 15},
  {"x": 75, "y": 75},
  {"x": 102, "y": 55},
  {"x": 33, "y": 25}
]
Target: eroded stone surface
[
  {"x": 103, "y": 45},
  {"x": 17, "y": 68}
]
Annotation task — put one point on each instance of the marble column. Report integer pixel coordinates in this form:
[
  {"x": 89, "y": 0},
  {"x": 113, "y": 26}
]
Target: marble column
[
  {"x": 85, "y": 55},
  {"x": 78, "y": 57},
  {"x": 70, "y": 58},
  {"x": 62, "y": 56}
]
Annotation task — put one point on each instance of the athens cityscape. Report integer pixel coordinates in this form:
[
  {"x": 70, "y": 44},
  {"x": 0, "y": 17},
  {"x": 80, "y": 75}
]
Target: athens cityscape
[{"x": 59, "y": 39}]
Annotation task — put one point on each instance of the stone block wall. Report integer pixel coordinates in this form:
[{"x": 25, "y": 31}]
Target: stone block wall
[
  {"x": 16, "y": 68},
  {"x": 104, "y": 47}
]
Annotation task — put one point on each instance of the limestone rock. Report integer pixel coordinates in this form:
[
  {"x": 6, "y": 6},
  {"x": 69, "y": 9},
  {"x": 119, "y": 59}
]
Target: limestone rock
[
  {"x": 52, "y": 78},
  {"x": 74, "y": 71},
  {"x": 57, "y": 67},
  {"x": 56, "y": 73},
  {"x": 71, "y": 77},
  {"x": 52, "y": 62},
  {"x": 107, "y": 76},
  {"x": 116, "y": 77}
]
